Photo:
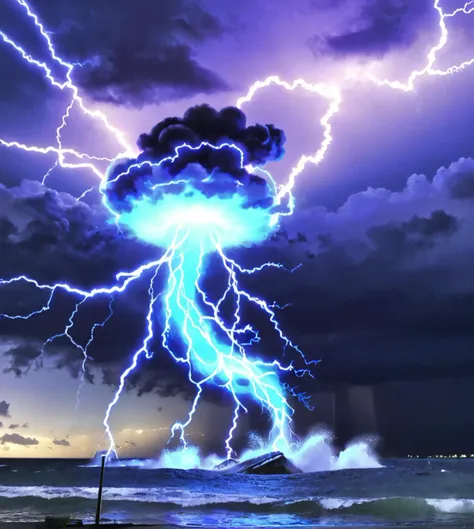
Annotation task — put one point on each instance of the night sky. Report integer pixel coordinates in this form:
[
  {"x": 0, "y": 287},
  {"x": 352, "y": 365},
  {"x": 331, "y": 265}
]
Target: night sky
[{"x": 383, "y": 225}]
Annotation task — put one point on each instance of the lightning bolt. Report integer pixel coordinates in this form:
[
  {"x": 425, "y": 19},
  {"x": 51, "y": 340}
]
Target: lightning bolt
[
  {"x": 209, "y": 360},
  {"x": 76, "y": 99},
  {"x": 466, "y": 9},
  {"x": 333, "y": 95},
  {"x": 214, "y": 351},
  {"x": 429, "y": 68}
]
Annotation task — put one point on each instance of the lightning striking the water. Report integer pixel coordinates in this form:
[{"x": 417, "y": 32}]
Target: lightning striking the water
[{"x": 197, "y": 206}]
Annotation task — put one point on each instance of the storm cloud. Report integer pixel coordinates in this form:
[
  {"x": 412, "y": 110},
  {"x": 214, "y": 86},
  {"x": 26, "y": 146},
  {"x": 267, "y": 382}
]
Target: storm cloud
[
  {"x": 70, "y": 240},
  {"x": 135, "y": 57},
  {"x": 374, "y": 27},
  {"x": 389, "y": 286},
  {"x": 221, "y": 172}
]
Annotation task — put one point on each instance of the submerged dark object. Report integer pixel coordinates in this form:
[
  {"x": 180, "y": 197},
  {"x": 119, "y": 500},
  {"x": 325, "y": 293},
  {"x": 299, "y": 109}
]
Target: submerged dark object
[{"x": 272, "y": 463}]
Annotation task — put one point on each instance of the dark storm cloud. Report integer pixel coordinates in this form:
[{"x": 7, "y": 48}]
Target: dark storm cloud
[
  {"x": 386, "y": 279},
  {"x": 395, "y": 241},
  {"x": 4, "y": 408},
  {"x": 388, "y": 290},
  {"x": 53, "y": 237},
  {"x": 135, "y": 56},
  {"x": 21, "y": 357},
  {"x": 380, "y": 282},
  {"x": 375, "y": 27},
  {"x": 61, "y": 442},
  {"x": 221, "y": 173},
  {"x": 17, "y": 439},
  {"x": 171, "y": 382}
]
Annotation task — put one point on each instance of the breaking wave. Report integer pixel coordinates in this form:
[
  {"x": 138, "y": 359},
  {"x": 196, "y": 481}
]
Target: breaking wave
[
  {"x": 164, "y": 500},
  {"x": 315, "y": 453}
]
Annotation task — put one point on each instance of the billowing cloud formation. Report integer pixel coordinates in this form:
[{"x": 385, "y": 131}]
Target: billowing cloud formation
[
  {"x": 61, "y": 442},
  {"x": 4, "y": 408},
  {"x": 451, "y": 190},
  {"x": 375, "y": 27},
  {"x": 57, "y": 229},
  {"x": 388, "y": 291},
  {"x": 202, "y": 123},
  {"x": 192, "y": 171},
  {"x": 134, "y": 56},
  {"x": 17, "y": 439}
]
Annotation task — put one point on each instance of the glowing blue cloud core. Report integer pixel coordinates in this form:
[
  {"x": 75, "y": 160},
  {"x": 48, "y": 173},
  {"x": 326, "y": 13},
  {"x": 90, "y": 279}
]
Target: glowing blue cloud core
[{"x": 155, "y": 220}]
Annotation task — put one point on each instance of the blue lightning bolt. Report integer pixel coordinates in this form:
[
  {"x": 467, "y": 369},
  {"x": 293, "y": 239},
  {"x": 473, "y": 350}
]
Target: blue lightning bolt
[
  {"x": 76, "y": 99},
  {"x": 214, "y": 351}
]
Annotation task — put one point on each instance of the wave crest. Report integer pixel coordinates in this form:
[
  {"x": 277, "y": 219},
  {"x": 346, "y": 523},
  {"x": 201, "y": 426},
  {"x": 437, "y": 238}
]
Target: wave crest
[{"x": 168, "y": 499}]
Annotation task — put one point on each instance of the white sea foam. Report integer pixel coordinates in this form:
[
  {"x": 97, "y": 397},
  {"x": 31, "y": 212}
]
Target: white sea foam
[
  {"x": 452, "y": 505},
  {"x": 156, "y": 495},
  {"x": 169, "y": 496},
  {"x": 314, "y": 453}
]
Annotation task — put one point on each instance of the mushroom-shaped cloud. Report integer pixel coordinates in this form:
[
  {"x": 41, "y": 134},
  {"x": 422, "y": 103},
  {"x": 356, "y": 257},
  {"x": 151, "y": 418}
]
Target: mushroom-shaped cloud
[{"x": 195, "y": 174}]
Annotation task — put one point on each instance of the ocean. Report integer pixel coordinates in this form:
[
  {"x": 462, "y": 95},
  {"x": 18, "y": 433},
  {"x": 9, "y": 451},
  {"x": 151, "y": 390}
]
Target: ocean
[{"x": 422, "y": 491}]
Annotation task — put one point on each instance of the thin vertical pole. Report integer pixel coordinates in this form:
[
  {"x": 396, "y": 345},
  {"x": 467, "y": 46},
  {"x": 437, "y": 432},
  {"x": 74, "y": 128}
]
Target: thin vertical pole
[{"x": 99, "y": 496}]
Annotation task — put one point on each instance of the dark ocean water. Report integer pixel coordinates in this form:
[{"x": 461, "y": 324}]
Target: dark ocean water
[{"x": 422, "y": 491}]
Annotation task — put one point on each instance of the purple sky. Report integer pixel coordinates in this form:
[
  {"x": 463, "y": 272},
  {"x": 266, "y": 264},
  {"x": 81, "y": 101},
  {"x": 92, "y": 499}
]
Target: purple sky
[{"x": 361, "y": 240}]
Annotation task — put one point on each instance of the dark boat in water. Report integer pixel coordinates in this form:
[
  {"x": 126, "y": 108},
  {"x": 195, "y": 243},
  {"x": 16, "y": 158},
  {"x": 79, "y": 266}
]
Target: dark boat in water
[{"x": 272, "y": 463}]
